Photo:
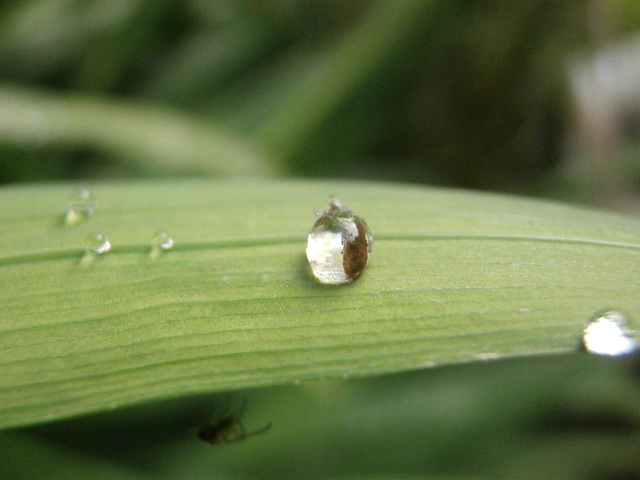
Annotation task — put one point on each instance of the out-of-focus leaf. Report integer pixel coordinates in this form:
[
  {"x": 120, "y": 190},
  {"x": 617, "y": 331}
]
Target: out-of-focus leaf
[{"x": 160, "y": 139}]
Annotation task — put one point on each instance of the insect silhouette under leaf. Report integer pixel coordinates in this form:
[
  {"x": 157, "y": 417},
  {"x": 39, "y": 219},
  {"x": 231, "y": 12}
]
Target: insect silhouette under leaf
[{"x": 226, "y": 429}]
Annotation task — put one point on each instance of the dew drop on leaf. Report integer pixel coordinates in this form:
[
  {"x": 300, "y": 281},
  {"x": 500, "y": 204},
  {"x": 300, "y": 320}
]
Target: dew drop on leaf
[
  {"x": 95, "y": 244},
  {"x": 160, "y": 242},
  {"x": 339, "y": 244},
  {"x": 81, "y": 206},
  {"x": 608, "y": 333}
]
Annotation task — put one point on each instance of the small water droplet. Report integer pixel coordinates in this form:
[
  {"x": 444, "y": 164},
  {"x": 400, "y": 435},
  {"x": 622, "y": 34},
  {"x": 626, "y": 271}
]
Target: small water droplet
[
  {"x": 80, "y": 207},
  {"x": 95, "y": 244},
  {"x": 160, "y": 242},
  {"x": 607, "y": 333},
  {"x": 339, "y": 244}
]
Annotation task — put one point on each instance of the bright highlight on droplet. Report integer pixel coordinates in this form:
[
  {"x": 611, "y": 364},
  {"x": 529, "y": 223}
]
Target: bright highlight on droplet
[
  {"x": 80, "y": 207},
  {"x": 608, "y": 334},
  {"x": 339, "y": 244},
  {"x": 97, "y": 243},
  {"x": 160, "y": 242}
]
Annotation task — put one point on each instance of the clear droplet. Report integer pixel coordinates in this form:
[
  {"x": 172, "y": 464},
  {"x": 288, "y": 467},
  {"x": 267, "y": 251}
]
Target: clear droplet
[
  {"x": 339, "y": 244},
  {"x": 607, "y": 333},
  {"x": 80, "y": 207},
  {"x": 95, "y": 244},
  {"x": 160, "y": 242}
]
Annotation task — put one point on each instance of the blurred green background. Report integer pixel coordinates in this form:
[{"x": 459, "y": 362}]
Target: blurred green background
[
  {"x": 533, "y": 97},
  {"x": 536, "y": 97}
]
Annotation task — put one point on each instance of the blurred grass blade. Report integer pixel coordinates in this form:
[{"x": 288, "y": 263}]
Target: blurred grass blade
[
  {"x": 454, "y": 277},
  {"x": 160, "y": 139},
  {"x": 211, "y": 57},
  {"x": 385, "y": 30}
]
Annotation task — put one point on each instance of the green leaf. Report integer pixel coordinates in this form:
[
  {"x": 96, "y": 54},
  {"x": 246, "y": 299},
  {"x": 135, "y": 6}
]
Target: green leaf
[{"x": 454, "y": 277}]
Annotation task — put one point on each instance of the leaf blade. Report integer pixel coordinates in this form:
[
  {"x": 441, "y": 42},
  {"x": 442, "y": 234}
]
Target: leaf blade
[{"x": 454, "y": 277}]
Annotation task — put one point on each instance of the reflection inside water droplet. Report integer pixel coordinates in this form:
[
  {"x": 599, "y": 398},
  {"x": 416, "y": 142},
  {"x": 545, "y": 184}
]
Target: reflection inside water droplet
[
  {"x": 607, "y": 333},
  {"x": 95, "y": 244},
  {"x": 80, "y": 207},
  {"x": 338, "y": 245},
  {"x": 160, "y": 242}
]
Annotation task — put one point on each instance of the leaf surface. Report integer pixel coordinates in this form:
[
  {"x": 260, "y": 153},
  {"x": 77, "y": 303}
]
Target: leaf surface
[{"x": 454, "y": 277}]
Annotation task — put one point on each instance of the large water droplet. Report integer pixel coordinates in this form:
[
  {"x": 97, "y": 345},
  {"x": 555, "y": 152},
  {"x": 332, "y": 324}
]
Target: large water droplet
[
  {"x": 160, "y": 242},
  {"x": 338, "y": 245},
  {"x": 607, "y": 333},
  {"x": 80, "y": 207}
]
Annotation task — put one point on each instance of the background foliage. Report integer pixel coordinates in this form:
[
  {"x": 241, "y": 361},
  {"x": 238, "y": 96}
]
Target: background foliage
[{"x": 459, "y": 93}]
